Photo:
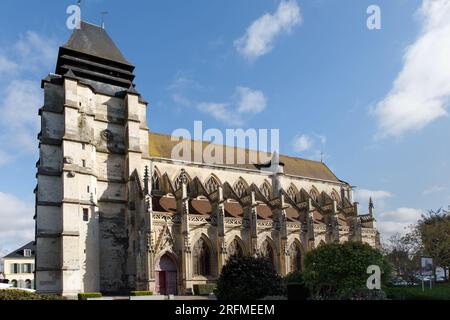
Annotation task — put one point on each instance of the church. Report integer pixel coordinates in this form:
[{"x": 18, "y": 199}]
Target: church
[{"x": 115, "y": 211}]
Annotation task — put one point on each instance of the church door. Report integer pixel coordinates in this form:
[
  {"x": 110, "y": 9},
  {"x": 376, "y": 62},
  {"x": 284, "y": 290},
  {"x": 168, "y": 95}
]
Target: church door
[{"x": 166, "y": 276}]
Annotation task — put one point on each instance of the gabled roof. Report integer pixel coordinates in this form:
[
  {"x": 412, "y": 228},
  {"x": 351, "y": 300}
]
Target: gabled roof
[
  {"x": 160, "y": 146},
  {"x": 19, "y": 253},
  {"x": 95, "y": 41}
]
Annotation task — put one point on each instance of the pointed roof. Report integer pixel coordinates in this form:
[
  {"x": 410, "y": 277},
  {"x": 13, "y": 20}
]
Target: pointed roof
[
  {"x": 19, "y": 253},
  {"x": 95, "y": 41}
]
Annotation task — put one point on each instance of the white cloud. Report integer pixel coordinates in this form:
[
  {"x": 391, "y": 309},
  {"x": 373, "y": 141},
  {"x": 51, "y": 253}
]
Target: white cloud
[
  {"x": 363, "y": 195},
  {"x": 421, "y": 92},
  {"x": 434, "y": 189},
  {"x": 260, "y": 35},
  {"x": 397, "y": 221},
  {"x": 252, "y": 101},
  {"x": 7, "y": 65},
  {"x": 220, "y": 112},
  {"x": 20, "y": 121},
  {"x": 35, "y": 50},
  {"x": 17, "y": 227},
  {"x": 302, "y": 143},
  {"x": 247, "y": 101}
]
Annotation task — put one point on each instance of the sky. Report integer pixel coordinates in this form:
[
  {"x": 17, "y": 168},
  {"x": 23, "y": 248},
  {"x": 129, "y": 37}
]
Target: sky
[{"x": 373, "y": 103}]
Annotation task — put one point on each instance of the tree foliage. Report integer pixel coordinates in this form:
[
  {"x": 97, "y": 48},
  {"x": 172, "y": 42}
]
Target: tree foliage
[
  {"x": 403, "y": 253},
  {"x": 434, "y": 230},
  {"x": 248, "y": 278},
  {"x": 335, "y": 270}
]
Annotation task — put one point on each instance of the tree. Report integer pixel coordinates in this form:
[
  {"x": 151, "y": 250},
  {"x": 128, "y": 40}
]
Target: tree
[
  {"x": 248, "y": 278},
  {"x": 403, "y": 253},
  {"x": 434, "y": 230},
  {"x": 335, "y": 271}
]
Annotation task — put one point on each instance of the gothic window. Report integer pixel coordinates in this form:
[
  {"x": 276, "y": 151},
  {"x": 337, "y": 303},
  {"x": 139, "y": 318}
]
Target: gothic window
[
  {"x": 335, "y": 196},
  {"x": 179, "y": 180},
  {"x": 202, "y": 258},
  {"x": 266, "y": 190},
  {"x": 155, "y": 182},
  {"x": 296, "y": 257},
  {"x": 267, "y": 251},
  {"x": 211, "y": 185},
  {"x": 239, "y": 188},
  {"x": 291, "y": 192},
  {"x": 235, "y": 249},
  {"x": 314, "y": 194}
]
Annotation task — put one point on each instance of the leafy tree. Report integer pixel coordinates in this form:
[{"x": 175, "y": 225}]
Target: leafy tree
[
  {"x": 248, "y": 278},
  {"x": 434, "y": 230},
  {"x": 335, "y": 271}
]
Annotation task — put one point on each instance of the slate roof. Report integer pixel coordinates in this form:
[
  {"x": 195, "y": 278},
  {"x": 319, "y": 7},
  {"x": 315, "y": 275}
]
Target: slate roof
[
  {"x": 160, "y": 146},
  {"x": 17, "y": 254},
  {"x": 95, "y": 41}
]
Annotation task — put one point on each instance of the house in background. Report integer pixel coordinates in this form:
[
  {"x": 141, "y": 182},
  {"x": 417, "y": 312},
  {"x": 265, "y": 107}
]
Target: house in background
[{"x": 18, "y": 267}]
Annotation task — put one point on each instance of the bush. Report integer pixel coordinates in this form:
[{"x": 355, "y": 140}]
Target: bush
[
  {"x": 248, "y": 278},
  {"x": 17, "y": 294},
  {"x": 335, "y": 271},
  {"x": 141, "y": 293},
  {"x": 87, "y": 295},
  {"x": 204, "y": 289}
]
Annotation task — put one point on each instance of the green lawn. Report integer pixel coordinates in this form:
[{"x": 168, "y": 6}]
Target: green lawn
[{"x": 438, "y": 292}]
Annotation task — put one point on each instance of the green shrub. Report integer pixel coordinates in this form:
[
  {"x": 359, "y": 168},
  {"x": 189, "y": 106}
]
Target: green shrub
[
  {"x": 17, "y": 294},
  {"x": 248, "y": 278},
  {"x": 141, "y": 293},
  {"x": 86, "y": 295},
  {"x": 335, "y": 271},
  {"x": 204, "y": 289}
]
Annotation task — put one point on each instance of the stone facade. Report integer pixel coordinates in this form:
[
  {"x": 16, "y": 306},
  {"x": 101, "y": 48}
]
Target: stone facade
[{"x": 115, "y": 213}]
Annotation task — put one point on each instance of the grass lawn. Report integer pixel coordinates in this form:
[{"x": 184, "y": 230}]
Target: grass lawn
[{"x": 438, "y": 292}]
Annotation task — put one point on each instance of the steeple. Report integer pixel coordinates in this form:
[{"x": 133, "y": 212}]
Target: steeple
[
  {"x": 371, "y": 207},
  {"x": 93, "y": 56}
]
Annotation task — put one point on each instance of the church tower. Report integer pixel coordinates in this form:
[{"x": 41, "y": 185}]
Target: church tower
[{"x": 93, "y": 138}]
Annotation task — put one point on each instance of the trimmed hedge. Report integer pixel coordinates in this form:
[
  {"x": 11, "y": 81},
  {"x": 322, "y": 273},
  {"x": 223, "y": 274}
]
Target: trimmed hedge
[
  {"x": 204, "y": 289},
  {"x": 141, "y": 293},
  {"x": 17, "y": 294},
  {"x": 86, "y": 295}
]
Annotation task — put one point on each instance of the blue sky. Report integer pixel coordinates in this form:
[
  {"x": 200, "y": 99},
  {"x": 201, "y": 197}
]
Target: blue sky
[{"x": 373, "y": 101}]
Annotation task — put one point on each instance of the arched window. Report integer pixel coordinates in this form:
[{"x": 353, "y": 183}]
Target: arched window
[
  {"x": 296, "y": 257},
  {"x": 292, "y": 192},
  {"x": 240, "y": 188},
  {"x": 202, "y": 258},
  {"x": 155, "y": 182},
  {"x": 235, "y": 249},
  {"x": 211, "y": 185},
  {"x": 266, "y": 190},
  {"x": 335, "y": 196},
  {"x": 28, "y": 284},
  {"x": 179, "y": 180},
  {"x": 14, "y": 283},
  {"x": 314, "y": 194},
  {"x": 267, "y": 252}
]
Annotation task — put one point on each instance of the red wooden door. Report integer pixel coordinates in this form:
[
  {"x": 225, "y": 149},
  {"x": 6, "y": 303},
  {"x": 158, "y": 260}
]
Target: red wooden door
[{"x": 161, "y": 282}]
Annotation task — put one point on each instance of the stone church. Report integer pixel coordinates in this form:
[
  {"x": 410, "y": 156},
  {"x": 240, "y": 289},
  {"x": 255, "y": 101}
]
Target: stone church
[{"x": 116, "y": 212}]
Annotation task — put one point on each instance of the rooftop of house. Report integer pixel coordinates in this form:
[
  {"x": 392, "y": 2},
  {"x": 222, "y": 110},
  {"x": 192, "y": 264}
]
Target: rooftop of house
[{"x": 21, "y": 252}]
